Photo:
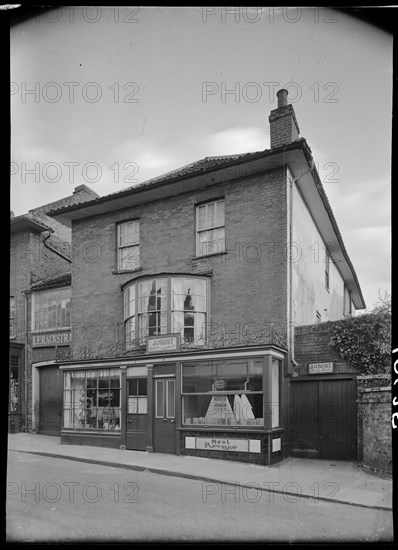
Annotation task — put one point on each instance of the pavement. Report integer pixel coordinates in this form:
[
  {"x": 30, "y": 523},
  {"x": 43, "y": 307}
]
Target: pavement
[{"x": 325, "y": 480}]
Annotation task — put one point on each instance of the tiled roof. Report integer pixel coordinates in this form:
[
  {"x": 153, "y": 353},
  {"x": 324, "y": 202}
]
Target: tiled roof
[
  {"x": 81, "y": 194},
  {"x": 196, "y": 167},
  {"x": 62, "y": 279},
  {"x": 30, "y": 216}
]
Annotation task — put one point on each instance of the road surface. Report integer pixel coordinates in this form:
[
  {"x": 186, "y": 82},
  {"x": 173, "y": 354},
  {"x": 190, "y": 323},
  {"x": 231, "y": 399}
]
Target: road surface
[{"x": 58, "y": 500}]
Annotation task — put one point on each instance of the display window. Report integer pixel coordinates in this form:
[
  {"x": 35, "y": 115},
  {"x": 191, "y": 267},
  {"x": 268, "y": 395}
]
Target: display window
[
  {"x": 227, "y": 393},
  {"x": 92, "y": 399}
]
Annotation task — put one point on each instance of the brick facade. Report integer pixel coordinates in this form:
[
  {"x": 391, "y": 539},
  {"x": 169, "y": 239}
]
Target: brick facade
[
  {"x": 39, "y": 249},
  {"x": 311, "y": 345},
  {"x": 249, "y": 309},
  {"x": 248, "y": 286}
]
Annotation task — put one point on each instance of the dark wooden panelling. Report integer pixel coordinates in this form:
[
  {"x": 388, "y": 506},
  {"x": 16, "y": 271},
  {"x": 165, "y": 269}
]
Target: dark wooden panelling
[{"x": 323, "y": 415}]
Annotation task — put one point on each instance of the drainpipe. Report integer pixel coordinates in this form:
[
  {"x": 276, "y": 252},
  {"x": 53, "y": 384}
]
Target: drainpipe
[
  {"x": 52, "y": 249},
  {"x": 26, "y": 362},
  {"x": 291, "y": 326}
]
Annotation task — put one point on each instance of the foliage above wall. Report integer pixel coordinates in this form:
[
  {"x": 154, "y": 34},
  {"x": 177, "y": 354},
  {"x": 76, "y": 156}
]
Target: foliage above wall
[{"x": 365, "y": 341}]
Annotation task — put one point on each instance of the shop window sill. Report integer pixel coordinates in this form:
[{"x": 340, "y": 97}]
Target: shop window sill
[{"x": 77, "y": 431}]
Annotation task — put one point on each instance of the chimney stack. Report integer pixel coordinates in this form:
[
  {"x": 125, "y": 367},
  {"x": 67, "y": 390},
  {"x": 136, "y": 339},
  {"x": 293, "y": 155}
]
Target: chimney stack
[
  {"x": 283, "y": 123},
  {"x": 282, "y": 98}
]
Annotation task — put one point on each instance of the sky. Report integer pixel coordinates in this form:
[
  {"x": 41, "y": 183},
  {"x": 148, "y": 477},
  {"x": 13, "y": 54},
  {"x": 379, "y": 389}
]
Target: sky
[{"x": 110, "y": 97}]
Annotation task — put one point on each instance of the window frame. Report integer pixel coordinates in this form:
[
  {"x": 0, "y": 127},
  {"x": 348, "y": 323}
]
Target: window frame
[
  {"x": 135, "y": 341},
  {"x": 198, "y": 231},
  {"x": 46, "y": 327},
  {"x": 17, "y": 393},
  {"x": 220, "y": 393},
  {"x": 120, "y": 247},
  {"x": 73, "y": 408},
  {"x": 12, "y": 317}
]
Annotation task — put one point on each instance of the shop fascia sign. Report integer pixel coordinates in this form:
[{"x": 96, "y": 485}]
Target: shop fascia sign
[
  {"x": 56, "y": 338},
  {"x": 320, "y": 368},
  {"x": 163, "y": 343}
]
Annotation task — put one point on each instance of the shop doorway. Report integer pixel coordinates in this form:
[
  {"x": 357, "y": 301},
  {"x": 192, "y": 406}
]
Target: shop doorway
[
  {"x": 137, "y": 414},
  {"x": 164, "y": 427},
  {"x": 323, "y": 416},
  {"x": 50, "y": 396}
]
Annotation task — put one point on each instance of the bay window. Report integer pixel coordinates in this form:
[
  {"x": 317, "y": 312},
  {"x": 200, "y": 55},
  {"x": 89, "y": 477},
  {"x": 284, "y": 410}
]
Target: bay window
[
  {"x": 189, "y": 309},
  {"x": 166, "y": 305},
  {"x": 275, "y": 389},
  {"x": 92, "y": 399},
  {"x": 223, "y": 393}
]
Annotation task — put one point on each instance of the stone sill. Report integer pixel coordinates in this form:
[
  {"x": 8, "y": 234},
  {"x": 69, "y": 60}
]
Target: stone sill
[
  {"x": 195, "y": 258},
  {"x": 122, "y": 271}
]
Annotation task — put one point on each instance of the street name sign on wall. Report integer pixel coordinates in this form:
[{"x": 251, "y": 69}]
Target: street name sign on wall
[
  {"x": 167, "y": 342},
  {"x": 47, "y": 339},
  {"x": 320, "y": 368}
]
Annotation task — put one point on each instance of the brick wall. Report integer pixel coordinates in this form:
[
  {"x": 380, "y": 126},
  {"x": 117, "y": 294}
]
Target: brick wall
[
  {"x": 248, "y": 287},
  {"x": 374, "y": 425},
  {"x": 311, "y": 345},
  {"x": 29, "y": 261},
  {"x": 283, "y": 126}
]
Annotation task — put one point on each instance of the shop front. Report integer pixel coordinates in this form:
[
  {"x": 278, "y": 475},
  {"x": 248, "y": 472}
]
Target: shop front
[{"x": 219, "y": 404}]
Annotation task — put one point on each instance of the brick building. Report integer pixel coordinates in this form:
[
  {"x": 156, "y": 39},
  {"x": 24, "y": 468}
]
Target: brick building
[
  {"x": 40, "y": 273},
  {"x": 186, "y": 291}
]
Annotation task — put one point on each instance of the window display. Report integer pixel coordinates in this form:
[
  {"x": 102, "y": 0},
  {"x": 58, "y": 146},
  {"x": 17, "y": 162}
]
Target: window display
[
  {"x": 92, "y": 399},
  {"x": 226, "y": 393}
]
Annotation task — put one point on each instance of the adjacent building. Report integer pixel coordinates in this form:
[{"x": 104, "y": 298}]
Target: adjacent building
[
  {"x": 186, "y": 292},
  {"x": 40, "y": 293}
]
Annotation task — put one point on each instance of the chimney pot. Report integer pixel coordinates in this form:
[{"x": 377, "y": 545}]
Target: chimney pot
[{"x": 282, "y": 98}]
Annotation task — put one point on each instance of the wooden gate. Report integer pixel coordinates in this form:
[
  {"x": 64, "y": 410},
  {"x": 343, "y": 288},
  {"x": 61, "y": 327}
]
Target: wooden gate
[
  {"x": 50, "y": 397},
  {"x": 323, "y": 418}
]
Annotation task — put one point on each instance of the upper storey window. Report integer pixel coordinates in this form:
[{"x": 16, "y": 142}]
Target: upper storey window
[
  {"x": 128, "y": 245},
  {"x": 210, "y": 228},
  {"x": 165, "y": 305}
]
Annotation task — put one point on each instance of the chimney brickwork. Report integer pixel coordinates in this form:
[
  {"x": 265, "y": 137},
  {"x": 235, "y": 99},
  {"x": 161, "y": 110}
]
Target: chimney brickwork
[{"x": 283, "y": 123}]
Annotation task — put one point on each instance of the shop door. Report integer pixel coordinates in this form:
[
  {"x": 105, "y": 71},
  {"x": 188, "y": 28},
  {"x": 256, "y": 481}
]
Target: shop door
[
  {"x": 164, "y": 428},
  {"x": 324, "y": 419},
  {"x": 50, "y": 396},
  {"x": 136, "y": 414}
]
